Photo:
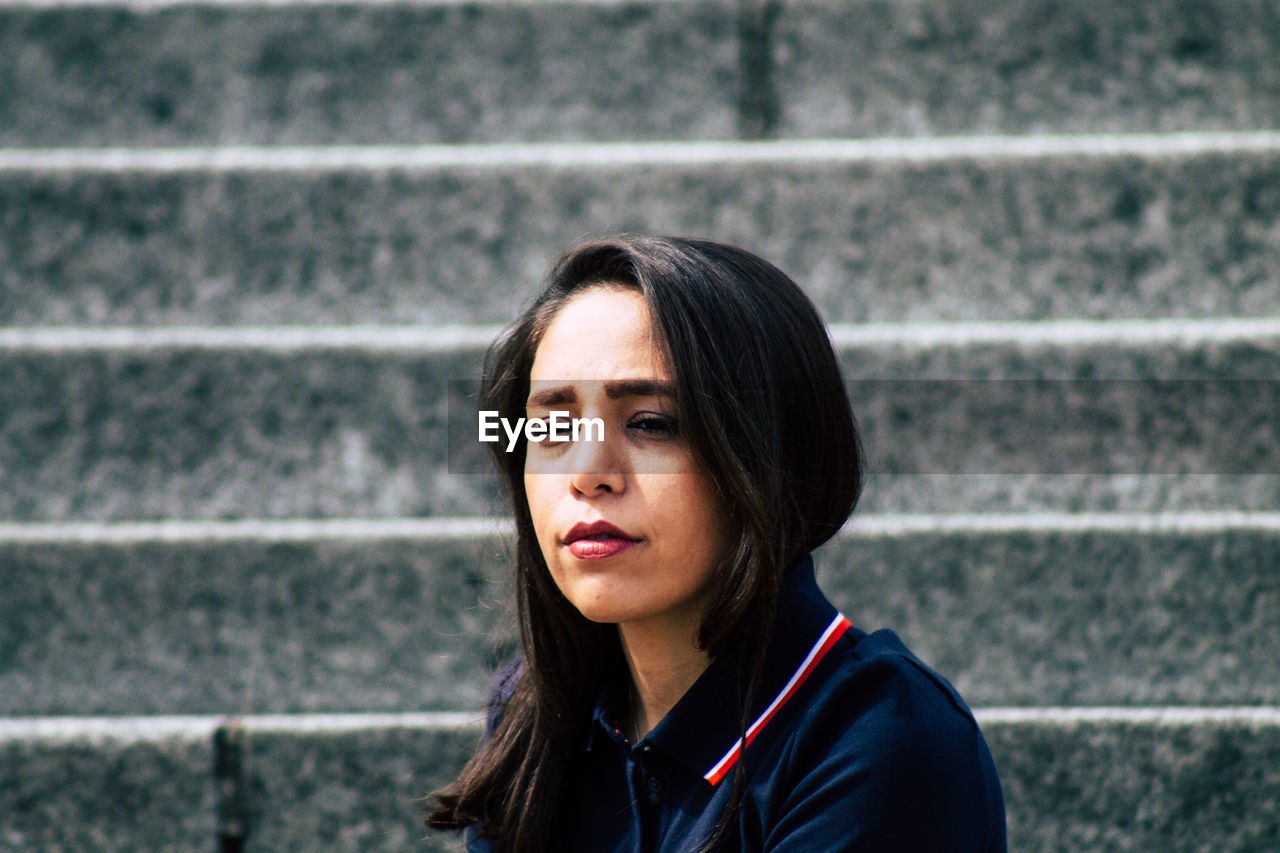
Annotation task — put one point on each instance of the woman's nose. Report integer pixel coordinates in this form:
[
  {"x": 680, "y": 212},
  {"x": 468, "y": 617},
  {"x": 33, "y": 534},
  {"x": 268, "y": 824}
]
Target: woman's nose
[{"x": 596, "y": 468}]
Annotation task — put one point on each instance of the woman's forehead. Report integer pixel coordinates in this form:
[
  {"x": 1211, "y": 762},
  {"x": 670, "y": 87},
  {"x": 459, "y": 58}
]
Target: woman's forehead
[{"x": 602, "y": 334}]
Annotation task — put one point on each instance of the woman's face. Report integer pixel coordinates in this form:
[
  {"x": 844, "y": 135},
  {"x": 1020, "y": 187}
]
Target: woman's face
[{"x": 630, "y": 526}]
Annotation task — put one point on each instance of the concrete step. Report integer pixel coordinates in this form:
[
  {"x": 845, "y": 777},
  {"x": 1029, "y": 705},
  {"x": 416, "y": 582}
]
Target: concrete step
[
  {"x": 150, "y": 783},
  {"x": 390, "y": 616},
  {"x": 356, "y": 423},
  {"x": 360, "y": 788},
  {"x": 175, "y": 73},
  {"x": 1051, "y": 609},
  {"x": 883, "y": 68},
  {"x": 1172, "y": 779},
  {"x": 196, "y": 433},
  {"x": 181, "y": 622},
  {"x": 73, "y": 791},
  {"x": 885, "y": 231},
  {"x": 266, "y": 73}
]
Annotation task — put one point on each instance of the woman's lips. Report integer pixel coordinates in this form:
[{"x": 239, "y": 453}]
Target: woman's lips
[
  {"x": 598, "y": 549},
  {"x": 597, "y": 540}
]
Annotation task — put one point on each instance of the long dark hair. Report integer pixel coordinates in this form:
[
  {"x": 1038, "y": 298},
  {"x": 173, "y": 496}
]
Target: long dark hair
[{"x": 763, "y": 407}]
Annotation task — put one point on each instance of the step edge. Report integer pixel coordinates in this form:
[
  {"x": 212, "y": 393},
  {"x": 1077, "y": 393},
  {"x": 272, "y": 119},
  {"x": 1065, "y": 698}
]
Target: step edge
[
  {"x": 462, "y": 529},
  {"x": 146, "y": 729},
  {"x": 458, "y": 338},
  {"x": 159, "y": 5},
  {"x": 580, "y": 155}
]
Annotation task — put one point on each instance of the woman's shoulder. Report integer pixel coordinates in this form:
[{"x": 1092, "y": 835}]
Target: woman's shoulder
[
  {"x": 879, "y": 671},
  {"x": 882, "y": 740},
  {"x": 884, "y": 705}
]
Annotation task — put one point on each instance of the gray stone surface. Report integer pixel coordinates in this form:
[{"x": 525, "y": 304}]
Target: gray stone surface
[
  {"x": 189, "y": 433},
  {"x": 489, "y": 71},
  {"x": 1070, "y": 619},
  {"x": 1075, "y": 428},
  {"x": 359, "y": 791},
  {"x": 1012, "y": 618},
  {"x": 1018, "y": 493},
  {"x": 228, "y": 433},
  {"x": 249, "y": 627},
  {"x": 367, "y": 73},
  {"x": 1098, "y": 786},
  {"x": 886, "y": 68},
  {"x": 958, "y": 239},
  {"x": 106, "y": 796},
  {"x": 1126, "y": 787}
]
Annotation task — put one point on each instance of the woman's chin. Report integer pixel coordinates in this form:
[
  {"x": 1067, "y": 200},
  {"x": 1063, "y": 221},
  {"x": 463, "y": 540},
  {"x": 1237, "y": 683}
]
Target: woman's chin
[
  {"x": 599, "y": 597},
  {"x": 609, "y": 609},
  {"x": 607, "y": 613}
]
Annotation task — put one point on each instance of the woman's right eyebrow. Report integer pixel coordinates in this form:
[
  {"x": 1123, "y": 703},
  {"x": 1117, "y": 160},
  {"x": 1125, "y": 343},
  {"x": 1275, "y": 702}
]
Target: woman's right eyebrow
[
  {"x": 552, "y": 397},
  {"x": 614, "y": 389}
]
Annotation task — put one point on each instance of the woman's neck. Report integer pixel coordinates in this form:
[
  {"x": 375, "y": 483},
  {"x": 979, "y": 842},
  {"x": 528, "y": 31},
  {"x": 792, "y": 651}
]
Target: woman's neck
[{"x": 663, "y": 664}]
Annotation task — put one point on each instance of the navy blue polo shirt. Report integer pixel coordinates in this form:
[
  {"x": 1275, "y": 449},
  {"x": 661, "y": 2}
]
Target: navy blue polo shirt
[{"x": 853, "y": 745}]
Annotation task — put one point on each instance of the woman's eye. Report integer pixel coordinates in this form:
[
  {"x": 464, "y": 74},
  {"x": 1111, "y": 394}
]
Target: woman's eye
[{"x": 654, "y": 425}]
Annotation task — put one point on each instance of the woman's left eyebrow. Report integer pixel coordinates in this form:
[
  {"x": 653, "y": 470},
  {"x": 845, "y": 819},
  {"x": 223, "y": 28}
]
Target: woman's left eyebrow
[{"x": 617, "y": 388}]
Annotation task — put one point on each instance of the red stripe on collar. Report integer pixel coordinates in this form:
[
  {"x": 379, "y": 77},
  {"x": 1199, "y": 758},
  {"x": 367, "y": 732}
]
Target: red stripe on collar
[{"x": 828, "y": 639}]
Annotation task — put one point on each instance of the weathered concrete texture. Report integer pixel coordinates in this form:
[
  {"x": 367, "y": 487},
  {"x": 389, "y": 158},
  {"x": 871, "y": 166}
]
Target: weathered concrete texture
[
  {"x": 1106, "y": 786},
  {"x": 959, "y": 239},
  {"x": 1110, "y": 618},
  {"x": 1054, "y": 372},
  {"x": 219, "y": 434},
  {"x": 1015, "y": 493},
  {"x": 106, "y": 796},
  {"x": 1113, "y": 787},
  {"x": 246, "y": 627},
  {"x": 1056, "y": 426},
  {"x": 1102, "y": 618},
  {"x": 194, "y": 434},
  {"x": 411, "y": 73},
  {"x": 886, "y": 68},
  {"x": 359, "y": 791},
  {"x": 638, "y": 70}
]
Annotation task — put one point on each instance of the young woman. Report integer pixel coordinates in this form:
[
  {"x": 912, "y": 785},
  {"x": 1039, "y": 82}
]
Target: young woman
[{"x": 684, "y": 684}]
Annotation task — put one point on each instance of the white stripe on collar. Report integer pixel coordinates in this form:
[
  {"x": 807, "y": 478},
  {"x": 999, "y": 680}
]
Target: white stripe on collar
[{"x": 828, "y": 639}]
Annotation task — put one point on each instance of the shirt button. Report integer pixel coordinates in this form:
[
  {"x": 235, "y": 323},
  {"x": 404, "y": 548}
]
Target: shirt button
[
  {"x": 646, "y": 748},
  {"x": 655, "y": 785}
]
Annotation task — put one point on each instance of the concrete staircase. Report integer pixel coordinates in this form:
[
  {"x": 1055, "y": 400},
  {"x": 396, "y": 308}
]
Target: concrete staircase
[{"x": 250, "y": 601}]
